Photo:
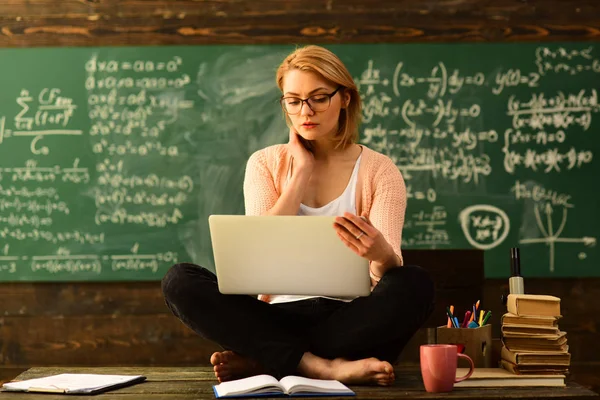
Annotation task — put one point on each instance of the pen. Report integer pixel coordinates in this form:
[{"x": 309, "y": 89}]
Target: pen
[
  {"x": 456, "y": 325},
  {"x": 480, "y": 317}
]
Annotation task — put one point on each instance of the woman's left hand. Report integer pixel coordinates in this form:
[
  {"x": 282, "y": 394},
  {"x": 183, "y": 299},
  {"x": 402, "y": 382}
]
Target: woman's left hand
[{"x": 363, "y": 238}]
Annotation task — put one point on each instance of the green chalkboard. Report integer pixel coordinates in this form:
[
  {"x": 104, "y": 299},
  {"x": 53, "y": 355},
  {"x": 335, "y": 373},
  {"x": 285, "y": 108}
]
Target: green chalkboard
[{"x": 112, "y": 159}]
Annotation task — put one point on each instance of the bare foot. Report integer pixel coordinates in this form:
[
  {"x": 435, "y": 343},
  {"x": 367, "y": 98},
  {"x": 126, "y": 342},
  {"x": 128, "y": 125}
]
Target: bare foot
[
  {"x": 229, "y": 366},
  {"x": 365, "y": 371}
]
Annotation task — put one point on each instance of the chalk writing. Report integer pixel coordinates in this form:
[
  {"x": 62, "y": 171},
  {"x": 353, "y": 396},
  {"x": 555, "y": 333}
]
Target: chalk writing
[
  {"x": 129, "y": 120},
  {"x": 7, "y": 265},
  {"x": 124, "y": 196},
  {"x": 376, "y": 106},
  {"x": 513, "y": 78},
  {"x": 466, "y": 138},
  {"x": 129, "y": 115},
  {"x": 70, "y": 264},
  {"x": 48, "y": 113},
  {"x": 34, "y": 206},
  {"x": 27, "y": 192},
  {"x": 121, "y": 216},
  {"x": 35, "y": 221},
  {"x": 110, "y": 168},
  {"x": 440, "y": 82},
  {"x": 370, "y": 78},
  {"x": 113, "y": 66},
  {"x": 128, "y": 148},
  {"x": 428, "y": 228},
  {"x": 429, "y": 195},
  {"x": 32, "y": 173},
  {"x": 434, "y": 113},
  {"x": 570, "y": 61},
  {"x": 442, "y": 162},
  {"x": 59, "y": 237},
  {"x": 539, "y": 193},
  {"x": 137, "y": 262},
  {"x": 484, "y": 226},
  {"x": 149, "y": 181},
  {"x": 555, "y": 111},
  {"x": 551, "y": 237},
  {"x": 551, "y": 160},
  {"x": 64, "y": 262}
]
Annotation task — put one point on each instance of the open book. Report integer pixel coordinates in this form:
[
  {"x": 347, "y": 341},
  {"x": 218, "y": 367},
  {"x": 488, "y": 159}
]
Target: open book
[
  {"x": 73, "y": 383},
  {"x": 266, "y": 385}
]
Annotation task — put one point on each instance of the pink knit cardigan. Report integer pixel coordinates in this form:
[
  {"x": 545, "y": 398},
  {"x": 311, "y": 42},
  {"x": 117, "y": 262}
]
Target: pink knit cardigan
[{"x": 380, "y": 194}]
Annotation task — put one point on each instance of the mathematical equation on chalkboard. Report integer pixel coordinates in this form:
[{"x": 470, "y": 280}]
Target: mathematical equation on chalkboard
[
  {"x": 124, "y": 157},
  {"x": 436, "y": 136}
]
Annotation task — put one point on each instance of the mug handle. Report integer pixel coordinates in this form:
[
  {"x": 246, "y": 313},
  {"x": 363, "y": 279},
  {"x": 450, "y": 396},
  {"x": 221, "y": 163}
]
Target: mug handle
[{"x": 471, "y": 369}]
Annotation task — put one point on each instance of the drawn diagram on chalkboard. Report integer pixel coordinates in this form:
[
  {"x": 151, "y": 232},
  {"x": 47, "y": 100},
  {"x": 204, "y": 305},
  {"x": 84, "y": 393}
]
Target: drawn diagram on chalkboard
[
  {"x": 484, "y": 226},
  {"x": 551, "y": 237}
]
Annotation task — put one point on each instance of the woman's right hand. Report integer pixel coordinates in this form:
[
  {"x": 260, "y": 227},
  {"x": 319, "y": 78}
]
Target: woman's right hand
[{"x": 304, "y": 160}]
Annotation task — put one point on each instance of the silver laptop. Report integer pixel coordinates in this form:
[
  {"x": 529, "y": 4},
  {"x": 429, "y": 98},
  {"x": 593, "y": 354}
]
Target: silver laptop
[{"x": 289, "y": 255}]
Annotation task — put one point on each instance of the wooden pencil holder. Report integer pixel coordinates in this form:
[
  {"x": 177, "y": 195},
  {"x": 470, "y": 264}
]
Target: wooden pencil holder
[{"x": 477, "y": 343}]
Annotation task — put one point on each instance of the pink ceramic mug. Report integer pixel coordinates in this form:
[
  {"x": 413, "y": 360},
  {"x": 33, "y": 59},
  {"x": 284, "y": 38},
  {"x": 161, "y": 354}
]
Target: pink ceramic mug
[{"x": 438, "y": 367}]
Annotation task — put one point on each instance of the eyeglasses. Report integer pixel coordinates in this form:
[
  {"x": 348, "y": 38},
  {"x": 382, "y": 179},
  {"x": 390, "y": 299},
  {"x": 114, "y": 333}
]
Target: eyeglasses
[{"x": 317, "y": 102}]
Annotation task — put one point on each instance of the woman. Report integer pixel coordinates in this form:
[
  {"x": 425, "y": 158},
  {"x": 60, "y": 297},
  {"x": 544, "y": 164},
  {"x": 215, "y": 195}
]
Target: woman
[{"x": 320, "y": 171}]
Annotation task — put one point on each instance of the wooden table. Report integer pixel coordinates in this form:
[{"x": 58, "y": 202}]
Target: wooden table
[{"x": 179, "y": 383}]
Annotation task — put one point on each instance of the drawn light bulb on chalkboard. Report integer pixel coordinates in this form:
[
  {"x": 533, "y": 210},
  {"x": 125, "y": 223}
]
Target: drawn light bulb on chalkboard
[{"x": 484, "y": 226}]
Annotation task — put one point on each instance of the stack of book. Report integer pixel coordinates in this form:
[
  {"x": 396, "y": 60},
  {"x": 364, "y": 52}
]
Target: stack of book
[{"x": 532, "y": 341}]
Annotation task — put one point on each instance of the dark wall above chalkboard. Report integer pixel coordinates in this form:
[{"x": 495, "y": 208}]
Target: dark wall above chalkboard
[
  {"x": 112, "y": 158},
  {"x": 184, "y": 22}
]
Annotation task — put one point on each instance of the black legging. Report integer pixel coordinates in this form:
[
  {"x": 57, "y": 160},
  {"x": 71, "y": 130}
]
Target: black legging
[{"x": 277, "y": 335}]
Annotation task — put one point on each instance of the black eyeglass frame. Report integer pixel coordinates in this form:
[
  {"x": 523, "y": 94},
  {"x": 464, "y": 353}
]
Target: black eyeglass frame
[{"x": 329, "y": 95}]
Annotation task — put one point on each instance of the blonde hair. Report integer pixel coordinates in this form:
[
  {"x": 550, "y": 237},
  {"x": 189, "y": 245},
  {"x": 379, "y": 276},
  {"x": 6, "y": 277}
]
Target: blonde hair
[{"x": 323, "y": 62}]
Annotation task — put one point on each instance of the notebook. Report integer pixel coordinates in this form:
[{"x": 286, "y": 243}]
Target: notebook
[
  {"x": 285, "y": 255},
  {"x": 74, "y": 383}
]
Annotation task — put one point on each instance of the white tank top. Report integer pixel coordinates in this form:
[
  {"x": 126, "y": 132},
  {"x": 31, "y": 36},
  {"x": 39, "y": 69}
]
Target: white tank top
[{"x": 345, "y": 202}]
